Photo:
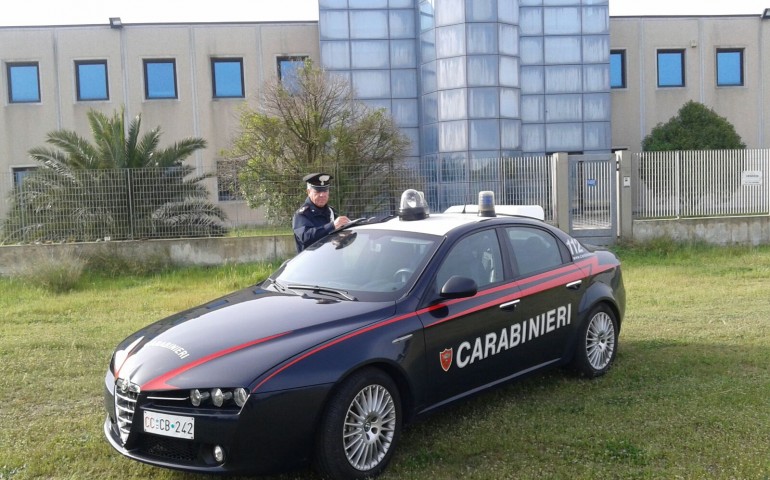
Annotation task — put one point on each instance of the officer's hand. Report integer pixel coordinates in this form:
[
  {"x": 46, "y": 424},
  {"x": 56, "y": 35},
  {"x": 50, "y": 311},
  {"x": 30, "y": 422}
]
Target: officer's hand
[{"x": 340, "y": 221}]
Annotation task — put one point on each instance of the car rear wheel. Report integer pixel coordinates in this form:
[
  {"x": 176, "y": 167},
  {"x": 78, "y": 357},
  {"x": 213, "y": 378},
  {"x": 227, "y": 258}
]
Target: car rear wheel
[
  {"x": 360, "y": 427},
  {"x": 597, "y": 343}
]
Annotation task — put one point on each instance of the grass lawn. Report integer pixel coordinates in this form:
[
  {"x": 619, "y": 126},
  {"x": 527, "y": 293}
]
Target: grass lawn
[{"x": 689, "y": 396}]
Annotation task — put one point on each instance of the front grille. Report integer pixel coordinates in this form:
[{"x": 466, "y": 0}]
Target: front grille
[
  {"x": 126, "y": 394},
  {"x": 169, "y": 448}
]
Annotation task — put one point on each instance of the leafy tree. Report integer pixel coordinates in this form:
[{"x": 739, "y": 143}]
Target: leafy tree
[
  {"x": 695, "y": 127},
  {"x": 122, "y": 186},
  {"x": 315, "y": 124}
]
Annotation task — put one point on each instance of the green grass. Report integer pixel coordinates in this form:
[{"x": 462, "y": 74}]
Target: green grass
[{"x": 688, "y": 398}]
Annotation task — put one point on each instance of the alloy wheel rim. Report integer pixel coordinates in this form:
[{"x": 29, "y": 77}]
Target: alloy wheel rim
[
  {"x": 600, "y": 341},
  {"x": 370, "y": 424}
]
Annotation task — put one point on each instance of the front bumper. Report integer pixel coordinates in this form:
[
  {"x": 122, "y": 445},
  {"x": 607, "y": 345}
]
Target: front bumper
[{"x": 273, "y": 432}]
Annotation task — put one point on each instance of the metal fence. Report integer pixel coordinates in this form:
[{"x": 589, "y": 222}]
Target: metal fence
[
  {"x": 687, "y": 184},
  {"x": 100, "y": 205},
  {"x": 90, "y": 205}
]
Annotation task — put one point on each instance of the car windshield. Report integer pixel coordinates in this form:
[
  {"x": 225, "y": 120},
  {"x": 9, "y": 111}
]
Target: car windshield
[{"x": 363, "y": 264}]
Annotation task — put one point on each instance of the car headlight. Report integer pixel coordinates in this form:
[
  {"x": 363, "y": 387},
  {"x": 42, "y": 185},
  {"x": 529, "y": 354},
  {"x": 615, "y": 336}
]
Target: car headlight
[
  {"x": 219, "y": 397},
  {"x": 197, "y": 397},
  {"x": 240, "y": 395}
]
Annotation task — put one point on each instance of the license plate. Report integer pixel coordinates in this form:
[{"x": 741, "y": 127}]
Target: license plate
[{"x": 169, "y": 425}]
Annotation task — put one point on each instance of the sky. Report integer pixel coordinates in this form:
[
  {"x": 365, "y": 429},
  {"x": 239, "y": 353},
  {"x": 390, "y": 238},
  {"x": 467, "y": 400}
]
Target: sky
[{"x": 73, "y": 12}]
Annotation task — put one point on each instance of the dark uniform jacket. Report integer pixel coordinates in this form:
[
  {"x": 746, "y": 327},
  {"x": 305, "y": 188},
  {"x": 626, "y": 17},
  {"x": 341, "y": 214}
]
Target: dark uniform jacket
[{"x": 311, "y": 223}]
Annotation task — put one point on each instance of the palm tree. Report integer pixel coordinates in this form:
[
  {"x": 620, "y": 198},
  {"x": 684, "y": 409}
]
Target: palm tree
[{"x": 122, "y": 186}]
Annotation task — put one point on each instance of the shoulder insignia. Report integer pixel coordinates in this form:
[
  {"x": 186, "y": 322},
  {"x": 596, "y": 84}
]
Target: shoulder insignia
[{"x": 302, "y": 209}]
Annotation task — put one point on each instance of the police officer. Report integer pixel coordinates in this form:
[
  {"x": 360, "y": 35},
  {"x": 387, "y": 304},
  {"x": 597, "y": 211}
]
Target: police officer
[{"x": 315, "y": 219}]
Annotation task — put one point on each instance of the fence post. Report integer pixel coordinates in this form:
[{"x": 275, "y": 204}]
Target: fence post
[
  {"x": 562, "y": 200},
  {"x": 625, "y": 196},
  {"x": 129, "y": 189}
]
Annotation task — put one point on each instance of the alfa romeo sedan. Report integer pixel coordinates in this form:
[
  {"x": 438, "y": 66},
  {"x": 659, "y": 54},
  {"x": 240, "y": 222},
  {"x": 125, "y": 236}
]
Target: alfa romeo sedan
[{"x": 377, "y": 323}]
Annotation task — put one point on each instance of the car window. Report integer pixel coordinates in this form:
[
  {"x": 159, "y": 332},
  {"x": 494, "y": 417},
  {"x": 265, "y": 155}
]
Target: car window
[
  {"x": 534, "y": 250},
  {"x": 362, "y": 261},
  {"x": 476, "y": 256}
]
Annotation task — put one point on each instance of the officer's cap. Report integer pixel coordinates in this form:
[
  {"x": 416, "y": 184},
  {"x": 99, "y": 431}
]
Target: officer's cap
[{"x": 318, "y": 181}]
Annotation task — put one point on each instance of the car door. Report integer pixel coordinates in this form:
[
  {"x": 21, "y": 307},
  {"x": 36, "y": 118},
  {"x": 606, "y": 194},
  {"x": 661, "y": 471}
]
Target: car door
[
  {"x": 551, "y": 287},
  {"x": 467, "y": 338}
]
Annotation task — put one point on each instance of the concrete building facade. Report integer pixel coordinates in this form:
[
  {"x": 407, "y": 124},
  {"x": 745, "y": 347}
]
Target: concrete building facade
[
  {"x": 463, "y": 79},
  {"x": 47, "y": 84}
]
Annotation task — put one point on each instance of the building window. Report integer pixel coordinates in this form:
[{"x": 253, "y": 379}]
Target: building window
[
  {"x": 729, "y": 67},
  {"x": 288, "y": 68},
  {"x": 228, "y": 186},
  {"x": 160, "y": 79},
  {"x": 670, "y": 68},
  {"x": 617, "y": 69},
  {"x": 91, "y": 78},
  {"x": 23, "y": 82},
  {"x": 227, "y": 77},
  {"x": 19, "y": 173}
]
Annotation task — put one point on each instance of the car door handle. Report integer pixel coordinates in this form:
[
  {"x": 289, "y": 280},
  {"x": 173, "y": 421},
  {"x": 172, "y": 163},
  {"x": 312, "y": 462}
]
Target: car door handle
[
  {"x": 575, "y": 285},
  {"x": 508, "y": 306}
]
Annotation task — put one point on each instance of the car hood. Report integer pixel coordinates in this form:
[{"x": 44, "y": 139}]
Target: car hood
[{"x": 233, "y": 340}]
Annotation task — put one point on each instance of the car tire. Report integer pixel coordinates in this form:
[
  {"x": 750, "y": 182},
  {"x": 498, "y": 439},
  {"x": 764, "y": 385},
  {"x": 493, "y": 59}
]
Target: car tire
[
  {"x": 360, "y": 427},
  {"x": 597, "y": 343}
]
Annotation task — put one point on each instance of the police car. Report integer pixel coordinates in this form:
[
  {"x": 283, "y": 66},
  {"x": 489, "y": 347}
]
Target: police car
[{"x": 379, "y": 322}]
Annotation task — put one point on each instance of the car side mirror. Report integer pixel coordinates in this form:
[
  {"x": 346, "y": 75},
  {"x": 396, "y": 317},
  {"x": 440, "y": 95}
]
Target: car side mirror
[{"x": 459, "y": 287}]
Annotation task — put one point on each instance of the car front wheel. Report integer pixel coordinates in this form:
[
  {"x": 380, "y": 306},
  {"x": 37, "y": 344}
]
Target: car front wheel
[
  {"x": 360, "y": 427},
  {"x": 597, "y": 343}
]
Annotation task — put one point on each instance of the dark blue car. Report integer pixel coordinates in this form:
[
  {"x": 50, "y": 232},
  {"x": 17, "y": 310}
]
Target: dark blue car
[{"x": 375, "y": 324}]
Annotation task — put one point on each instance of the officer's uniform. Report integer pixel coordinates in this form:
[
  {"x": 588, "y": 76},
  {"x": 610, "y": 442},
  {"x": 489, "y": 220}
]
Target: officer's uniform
[{"x": 311, "y": 223}]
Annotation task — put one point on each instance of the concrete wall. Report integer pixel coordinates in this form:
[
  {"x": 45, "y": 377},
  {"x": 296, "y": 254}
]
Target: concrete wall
[
  {"x": 187, "y": 252},
  {"x": 718, "y": 231}
]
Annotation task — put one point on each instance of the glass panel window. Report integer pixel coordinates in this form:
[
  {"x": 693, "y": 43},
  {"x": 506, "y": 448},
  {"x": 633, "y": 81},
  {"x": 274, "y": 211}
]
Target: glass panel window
[
  {"x": 372, "y": 84},
  {"x": 729, "y": 67},
  {"x": 509, "y": 103},
  {"x": 227, "y": 77},
  {"x": 370, "y": 54},
  {"x": 531, "y": 21},
  {"x": 450, "y": 41},
  {"x": 19, "y": 173},
  {"x": 481, "y": 11},
  {"x": 596, "y": 48},
  {"x": 368, "y": 24},
  {"x": 402, "y": 24},
  {"x": 563, "y": 108},
  {"x": 288, "y": 68},
  {"x": 403, "y": 83},
  {"x": 482, "y": 70},
  {"x": 509, "y": 40},
  {"x": 484, "y": 135},
  {"x": 336, "y": 55},
  {"x": 670, "y": 68},
  {"x": 452, "y": 104},
  {"x": 563, "y": 49},
  {"x": 483, "y": 103},
  {"x": 91, "y": 79},
  {"x": 228, "y": 187},
  {"x": 618, "y": 69},
  {"x": 405, "y": 112},
  {"x": 333, "y": 25},
  {"x": 596, "y": 19},
  {"x": 561, "y": 21},
  {"x": 403, "y": 54},
  {"x": 23, "y": 82},
  {"x": 160, "y": 79},
  {"x": 482, "y": 38}
]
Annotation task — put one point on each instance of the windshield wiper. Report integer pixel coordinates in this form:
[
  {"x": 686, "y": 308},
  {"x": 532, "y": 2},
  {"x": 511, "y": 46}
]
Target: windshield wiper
[{"x": 326, "y": 290}]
